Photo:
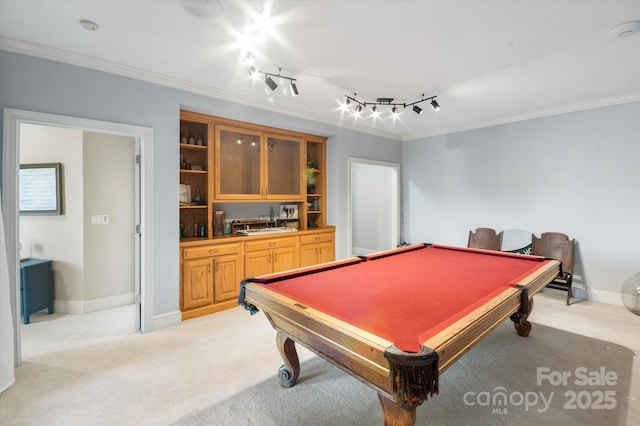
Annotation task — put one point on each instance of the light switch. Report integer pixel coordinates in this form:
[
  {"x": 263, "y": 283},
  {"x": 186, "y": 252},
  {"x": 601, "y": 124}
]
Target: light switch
[{"x": 99, "y": 219}]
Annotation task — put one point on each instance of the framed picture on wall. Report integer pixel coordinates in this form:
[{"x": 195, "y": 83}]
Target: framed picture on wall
[{"x": 40, "y": 189}]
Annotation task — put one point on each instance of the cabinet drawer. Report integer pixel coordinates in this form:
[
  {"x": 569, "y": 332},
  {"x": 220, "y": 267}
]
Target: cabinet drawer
[
  {"x": 211, "y": 250},
  {"x": 271, "y": 243},
  {"x": 316, "y": 238}
]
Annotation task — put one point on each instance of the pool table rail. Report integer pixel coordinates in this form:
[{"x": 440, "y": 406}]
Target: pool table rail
[{"x": 458, "y": 338}]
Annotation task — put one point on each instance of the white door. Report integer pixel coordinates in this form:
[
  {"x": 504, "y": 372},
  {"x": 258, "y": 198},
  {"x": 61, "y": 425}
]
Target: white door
[{"x": 374, "y": 213}]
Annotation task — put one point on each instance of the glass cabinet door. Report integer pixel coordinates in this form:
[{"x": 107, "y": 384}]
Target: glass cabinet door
[
  {"x": 238, "y": 168},
  {"x": 284, "y": 167}
]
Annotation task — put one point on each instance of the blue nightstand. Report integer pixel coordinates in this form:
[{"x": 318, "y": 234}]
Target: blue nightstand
[{"x": 36, "y": 287}]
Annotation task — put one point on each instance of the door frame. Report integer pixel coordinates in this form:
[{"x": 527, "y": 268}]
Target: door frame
[
  {"x": 398, "y": 199},
  {"x": 143, "y": 137}
]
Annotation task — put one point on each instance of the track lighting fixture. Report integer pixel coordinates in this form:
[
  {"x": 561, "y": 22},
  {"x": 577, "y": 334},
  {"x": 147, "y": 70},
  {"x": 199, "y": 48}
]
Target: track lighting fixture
[
  {"x": 360, "y": 105},
  {"x": 268, "y": 80}
]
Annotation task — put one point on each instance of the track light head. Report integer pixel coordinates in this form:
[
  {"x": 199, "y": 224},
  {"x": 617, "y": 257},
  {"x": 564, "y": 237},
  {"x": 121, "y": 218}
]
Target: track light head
[
  {"x": 435, "y": 105},
  {"x": 269, "y": 82},
  {"x": 417, "y": 109},
  {"x": 294, "y": 88},
  {"x": 394, "y": 112},
  {"x": 347, "y": 101},
  {"x": 358, "y": 108}
]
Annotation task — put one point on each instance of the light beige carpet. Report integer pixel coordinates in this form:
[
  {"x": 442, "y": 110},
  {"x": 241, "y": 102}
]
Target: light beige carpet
[{"x": 586, "y": 383}]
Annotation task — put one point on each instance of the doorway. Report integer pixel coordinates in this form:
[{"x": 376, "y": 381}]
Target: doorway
[
  {"x": 374, "y": 206},
  {"x": 143, "y": 242}
]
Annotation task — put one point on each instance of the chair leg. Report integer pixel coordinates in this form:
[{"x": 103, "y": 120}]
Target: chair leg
[{"x": 569, "y": 282}]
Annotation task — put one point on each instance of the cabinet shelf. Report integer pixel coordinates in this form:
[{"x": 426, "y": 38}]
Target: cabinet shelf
[
  {"x": 196, "y": 147},
  {"x": 196, "y": 206},
  {"x": 195, "y": 166},
  {"x": 195, "y": 172}
]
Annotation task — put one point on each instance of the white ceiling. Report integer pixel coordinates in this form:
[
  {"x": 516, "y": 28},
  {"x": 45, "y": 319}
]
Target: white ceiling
[{"x": 488, "y": 62}]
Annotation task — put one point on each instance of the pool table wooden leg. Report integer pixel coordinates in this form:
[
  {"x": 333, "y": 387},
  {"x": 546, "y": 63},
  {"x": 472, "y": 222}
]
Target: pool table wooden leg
[
  {"x": 290, "y": 371},
  {"x": 394, "y": 415},
  {"x": 523, "y": 327}
]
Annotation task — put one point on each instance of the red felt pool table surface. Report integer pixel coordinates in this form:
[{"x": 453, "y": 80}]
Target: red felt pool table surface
[{"x": 408, "y": 295}]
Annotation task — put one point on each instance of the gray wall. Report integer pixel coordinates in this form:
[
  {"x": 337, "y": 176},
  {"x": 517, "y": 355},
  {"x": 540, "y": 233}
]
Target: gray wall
[
  {"x": 34, "y": 84},
  {"x": 576, "y": 173}
]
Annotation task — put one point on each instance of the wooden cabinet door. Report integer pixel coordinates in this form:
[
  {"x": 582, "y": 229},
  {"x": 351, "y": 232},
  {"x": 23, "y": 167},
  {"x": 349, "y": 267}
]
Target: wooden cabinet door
[
  {"x": 238, "y": 164},
  {"x": 285, "y": 258},
  {"x": 227, "y": 271},
  {"x": 257, "y": 263},
  {"x": 308, "y": 255},
  {"x": 284, "y": 168},
  {"x": 326, "y": 252},
  {"x": 197, "y": 283}
]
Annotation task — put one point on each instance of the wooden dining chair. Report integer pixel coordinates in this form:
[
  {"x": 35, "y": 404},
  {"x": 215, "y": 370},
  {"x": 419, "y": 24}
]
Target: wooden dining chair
[
  {"x": 485, "y": 238},
  {"x": 555, "y": 245}
]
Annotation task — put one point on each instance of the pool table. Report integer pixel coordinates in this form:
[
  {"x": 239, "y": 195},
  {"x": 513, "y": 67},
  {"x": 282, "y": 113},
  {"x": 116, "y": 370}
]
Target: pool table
[{"x": 397, "y": 319}]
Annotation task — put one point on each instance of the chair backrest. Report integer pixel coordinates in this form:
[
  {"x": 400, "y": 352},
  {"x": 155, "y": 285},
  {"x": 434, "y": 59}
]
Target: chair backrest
[
  {"x": 485, "y": 238},
  {"x": 555, "y": 245}
]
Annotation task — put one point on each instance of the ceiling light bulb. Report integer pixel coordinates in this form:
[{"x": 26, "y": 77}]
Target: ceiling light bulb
[
  {"x": 269, "y": 82},
  {"x": 435, "y": 105},
  {"x": 417, "y": 109},
  {"x": 294, "y": 89}
]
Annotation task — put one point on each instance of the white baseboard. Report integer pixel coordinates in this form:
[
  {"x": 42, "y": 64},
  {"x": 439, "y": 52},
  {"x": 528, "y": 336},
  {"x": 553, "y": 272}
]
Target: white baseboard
[
  {"x": 167, "y": 320},
  {"x": 357, "y": 251},
  {"x": 608, "y": 297},
  {"x": 94, "y": 305}
]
